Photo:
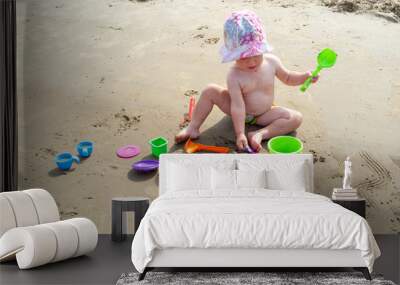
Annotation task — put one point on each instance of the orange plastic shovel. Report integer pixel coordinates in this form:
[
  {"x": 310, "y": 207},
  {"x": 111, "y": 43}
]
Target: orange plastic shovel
[{"x": 191, "y": 147}]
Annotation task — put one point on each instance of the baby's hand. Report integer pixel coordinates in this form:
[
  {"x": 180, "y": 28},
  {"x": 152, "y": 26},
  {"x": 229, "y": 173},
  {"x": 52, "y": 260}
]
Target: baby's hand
[
  {"x": 314, "y": 79},
  {"x": 241, "y": 142}
]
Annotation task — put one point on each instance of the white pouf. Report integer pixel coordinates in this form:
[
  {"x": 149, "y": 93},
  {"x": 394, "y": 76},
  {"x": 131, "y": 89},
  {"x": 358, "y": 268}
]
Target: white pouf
[
  {"x": 7, "y": 220},
  {"x": 46, "y": 207},
  {"x": 23, "y": 208},
  {"x": 31, "y": 232}
]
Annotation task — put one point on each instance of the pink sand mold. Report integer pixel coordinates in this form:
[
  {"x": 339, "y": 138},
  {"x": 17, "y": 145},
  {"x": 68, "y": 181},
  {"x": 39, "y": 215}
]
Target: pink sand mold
[{"x": 128, "y": 151}]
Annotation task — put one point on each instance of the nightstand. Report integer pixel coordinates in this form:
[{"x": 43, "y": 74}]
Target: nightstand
[
  {"x": 356, "y": 205},
  {"x": 139, "y": 205}
]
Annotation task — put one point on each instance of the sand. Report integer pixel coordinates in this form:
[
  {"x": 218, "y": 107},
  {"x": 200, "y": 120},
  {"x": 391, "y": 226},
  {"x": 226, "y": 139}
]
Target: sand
[
  {"x": 121, "y": 72},
  {"x": 387, "y": 9}
]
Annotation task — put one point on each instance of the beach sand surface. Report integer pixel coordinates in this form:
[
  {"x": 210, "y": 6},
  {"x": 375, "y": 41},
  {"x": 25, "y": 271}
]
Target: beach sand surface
[{"x": 120, "y": 72}]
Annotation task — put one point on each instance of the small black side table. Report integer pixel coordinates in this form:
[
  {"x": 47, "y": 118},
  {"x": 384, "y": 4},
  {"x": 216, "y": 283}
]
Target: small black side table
[
  {"x": 139, "y": 205},
  {"x": 356, "y": 205}
]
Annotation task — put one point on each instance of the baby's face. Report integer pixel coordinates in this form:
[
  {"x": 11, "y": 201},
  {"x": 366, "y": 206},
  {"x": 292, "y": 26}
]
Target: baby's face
[{"x": 250, "y": 63}]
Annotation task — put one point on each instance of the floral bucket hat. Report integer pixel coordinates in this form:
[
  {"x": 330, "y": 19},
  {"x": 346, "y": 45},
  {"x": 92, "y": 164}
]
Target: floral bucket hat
[{"x": 244, "y": 36}]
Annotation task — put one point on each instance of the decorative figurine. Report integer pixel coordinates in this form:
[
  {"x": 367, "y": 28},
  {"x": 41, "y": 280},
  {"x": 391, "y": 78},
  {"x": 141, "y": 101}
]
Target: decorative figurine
[{"x": 347, "y": 174}]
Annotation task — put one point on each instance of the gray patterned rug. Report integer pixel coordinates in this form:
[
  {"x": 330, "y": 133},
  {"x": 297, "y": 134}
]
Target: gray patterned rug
[{"x": 244, "y": 278}]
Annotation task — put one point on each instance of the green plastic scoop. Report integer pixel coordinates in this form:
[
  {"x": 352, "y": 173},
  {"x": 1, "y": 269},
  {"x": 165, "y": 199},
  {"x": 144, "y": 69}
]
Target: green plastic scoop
[{"x": 326, "y": 59}]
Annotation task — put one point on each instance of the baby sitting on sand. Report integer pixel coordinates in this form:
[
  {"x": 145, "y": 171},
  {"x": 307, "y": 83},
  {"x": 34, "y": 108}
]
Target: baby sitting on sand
[{"x": 249, "y": 95}]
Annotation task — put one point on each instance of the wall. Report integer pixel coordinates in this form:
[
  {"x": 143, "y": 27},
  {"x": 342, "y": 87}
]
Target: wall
[{"x": 117, "y": 72}]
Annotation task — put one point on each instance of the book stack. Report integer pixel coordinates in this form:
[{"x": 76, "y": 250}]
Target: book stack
[{"x": 345, "y": 194}]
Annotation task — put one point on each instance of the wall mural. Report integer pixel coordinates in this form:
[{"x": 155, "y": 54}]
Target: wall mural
[{"x": 122, "y": 72}]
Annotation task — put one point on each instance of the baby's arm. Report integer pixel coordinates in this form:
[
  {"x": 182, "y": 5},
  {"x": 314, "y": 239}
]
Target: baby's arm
[
  {"x": 238, "y": 111},
  {"x": 288, "y": 77}
]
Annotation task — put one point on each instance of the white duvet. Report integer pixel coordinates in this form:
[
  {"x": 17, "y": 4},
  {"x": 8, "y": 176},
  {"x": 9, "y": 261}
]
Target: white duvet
[{"x": 250, "y": 219}]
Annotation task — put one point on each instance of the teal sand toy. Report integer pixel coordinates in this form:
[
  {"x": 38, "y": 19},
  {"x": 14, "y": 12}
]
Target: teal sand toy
[
  {"x": 326, "y": 59},
  {"x": 85, "y": 148},
  {"x": 64, "y": 160}
]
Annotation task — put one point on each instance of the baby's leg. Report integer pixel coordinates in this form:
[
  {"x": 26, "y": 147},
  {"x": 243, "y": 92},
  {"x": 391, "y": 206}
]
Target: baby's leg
[
  {"x": 210, "y": 96},
  {"x": 278, "y": 121}
]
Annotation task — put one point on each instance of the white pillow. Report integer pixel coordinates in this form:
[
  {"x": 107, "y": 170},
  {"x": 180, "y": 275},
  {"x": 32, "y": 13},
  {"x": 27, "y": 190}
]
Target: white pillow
[
  {"x": 288, "y": 173},
  {"x": 183, "y": 177},
  {"x": 291, "y": 178},
  {"x": 251, "y": 178},
  {"x": 223, "y": 179}
]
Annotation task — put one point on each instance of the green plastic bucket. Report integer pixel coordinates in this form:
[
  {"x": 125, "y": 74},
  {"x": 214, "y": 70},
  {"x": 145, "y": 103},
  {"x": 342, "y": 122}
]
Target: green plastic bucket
[
  {"x": 285, "y": 145},
  {"x": 159, "y": 145}
]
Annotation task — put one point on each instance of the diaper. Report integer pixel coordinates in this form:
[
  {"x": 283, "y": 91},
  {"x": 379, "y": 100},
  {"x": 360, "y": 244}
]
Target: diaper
[{"x": 250, "y": 120}]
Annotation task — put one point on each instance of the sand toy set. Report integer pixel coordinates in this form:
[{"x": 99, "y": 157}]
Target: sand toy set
[{"x": 159, "y": 145}]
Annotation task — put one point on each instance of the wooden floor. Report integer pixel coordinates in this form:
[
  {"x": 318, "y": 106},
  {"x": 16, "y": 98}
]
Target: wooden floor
[{"x": 110, "y": 260}]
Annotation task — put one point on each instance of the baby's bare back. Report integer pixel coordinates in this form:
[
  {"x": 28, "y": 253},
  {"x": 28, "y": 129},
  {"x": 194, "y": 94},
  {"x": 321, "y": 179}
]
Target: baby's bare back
[{"x": 257, "y": 87}]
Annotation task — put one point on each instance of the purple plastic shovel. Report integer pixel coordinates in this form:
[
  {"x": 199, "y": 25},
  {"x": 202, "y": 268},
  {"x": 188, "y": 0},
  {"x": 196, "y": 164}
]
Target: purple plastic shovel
[{"x": 248, "y": 149}]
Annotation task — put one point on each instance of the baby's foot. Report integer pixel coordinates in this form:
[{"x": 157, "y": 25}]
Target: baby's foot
[
  {"x": 255, "y": 139},
  {"x": 186, "y": 133}
]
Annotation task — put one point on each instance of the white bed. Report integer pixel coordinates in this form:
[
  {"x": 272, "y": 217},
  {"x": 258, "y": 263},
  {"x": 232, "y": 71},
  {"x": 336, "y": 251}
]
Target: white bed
[{"x": 215, "y": 211}]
